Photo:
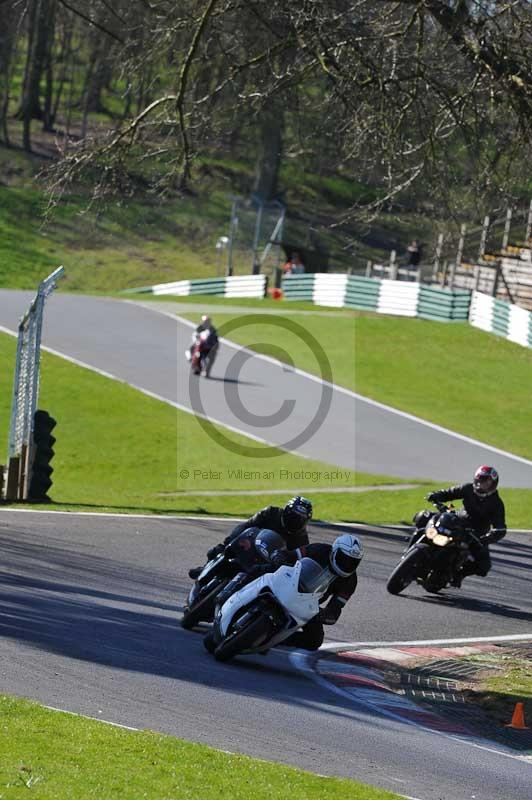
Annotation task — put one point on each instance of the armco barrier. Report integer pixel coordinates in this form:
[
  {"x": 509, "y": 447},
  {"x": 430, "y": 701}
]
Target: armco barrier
[
  {"x": 443, "y": 305},
  {"x": 504, "y": 319},
  {"x": 374, "y": 294},
  {"x": 362, "y": 293},
  {"x": 298, "y": 287},
  {"x": 234, "y": 286}
]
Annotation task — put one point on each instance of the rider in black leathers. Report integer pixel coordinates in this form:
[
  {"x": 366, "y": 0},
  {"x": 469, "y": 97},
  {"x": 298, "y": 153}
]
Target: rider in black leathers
[
  {"x": 289, "y": 522},
  {"x": 341, "y": 588},
  {"x": 483, "y": 511}
]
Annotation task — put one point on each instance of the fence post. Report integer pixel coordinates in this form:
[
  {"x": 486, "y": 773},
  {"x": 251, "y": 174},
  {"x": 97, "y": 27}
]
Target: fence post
[
  {"x": 506, "y": 234},
  {"x": 393, "y": 266},
  {"x": 437, "y": 256},
  {"x": 483, "y": 238},
  {"x": 458, "y": 259}
]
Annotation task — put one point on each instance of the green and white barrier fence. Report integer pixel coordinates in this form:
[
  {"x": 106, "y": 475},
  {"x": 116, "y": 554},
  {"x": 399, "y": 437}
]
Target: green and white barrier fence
[
  {"x": 504, "y": 319},
  {"x": 384, "y": 296},
  {"x": 401, "y": 298},
  {"x": 235, "y": 286}
]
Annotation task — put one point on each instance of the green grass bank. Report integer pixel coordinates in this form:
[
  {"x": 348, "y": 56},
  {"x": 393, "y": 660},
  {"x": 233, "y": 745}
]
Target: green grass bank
[
  {"x": 48, "y": 755},
  {"x": 118, "y": 449}
]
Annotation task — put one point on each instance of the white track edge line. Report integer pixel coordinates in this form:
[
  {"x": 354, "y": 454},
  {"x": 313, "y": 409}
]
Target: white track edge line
[
  {"x": 77, "y": 362},
  {"x": 429, "y": 642},
  {"x": 362, "y": 398}
]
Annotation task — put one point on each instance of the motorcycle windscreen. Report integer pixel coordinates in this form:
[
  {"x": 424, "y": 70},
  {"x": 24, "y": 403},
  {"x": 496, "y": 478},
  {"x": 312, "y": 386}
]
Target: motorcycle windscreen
[{"x": 313, "y": 578}]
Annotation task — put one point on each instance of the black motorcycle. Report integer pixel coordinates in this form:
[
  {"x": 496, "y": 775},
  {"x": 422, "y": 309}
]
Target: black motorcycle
[
  {"x": 436, "y": 555},
  {"x": 252, "y": 547}
]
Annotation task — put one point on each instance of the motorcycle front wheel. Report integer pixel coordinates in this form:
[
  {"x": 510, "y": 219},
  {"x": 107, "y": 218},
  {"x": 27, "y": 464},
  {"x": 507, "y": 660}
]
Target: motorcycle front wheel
[
  {"x": 258, "y": 630},
  {"x": 203, "y": 609},
  {"x": 405, "y": 572}
]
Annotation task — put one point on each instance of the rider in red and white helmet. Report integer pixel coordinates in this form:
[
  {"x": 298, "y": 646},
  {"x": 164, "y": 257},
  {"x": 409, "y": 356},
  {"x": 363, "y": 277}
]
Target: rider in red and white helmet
[
  {"x": 485, "y": 481},
  {"x": 483, "y": 510}
]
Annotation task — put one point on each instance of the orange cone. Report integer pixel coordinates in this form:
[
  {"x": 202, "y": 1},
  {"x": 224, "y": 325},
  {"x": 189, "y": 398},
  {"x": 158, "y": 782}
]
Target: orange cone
[{"x": 518, "y": 718}]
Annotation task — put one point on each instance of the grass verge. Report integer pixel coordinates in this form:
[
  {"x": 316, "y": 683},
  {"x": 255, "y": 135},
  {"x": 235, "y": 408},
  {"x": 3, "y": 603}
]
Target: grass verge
[
  {"x": 498, "y": 694},
  {"x": 117, "y": 449},
  {"x": 59, "y": 756}
]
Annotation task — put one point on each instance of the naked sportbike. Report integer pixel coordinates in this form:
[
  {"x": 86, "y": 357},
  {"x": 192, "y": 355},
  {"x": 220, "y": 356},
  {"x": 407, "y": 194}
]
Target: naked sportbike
[{"x": 437, "y": 554}]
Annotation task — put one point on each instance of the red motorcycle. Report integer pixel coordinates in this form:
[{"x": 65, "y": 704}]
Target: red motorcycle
[{"x": 202, "y": 353}]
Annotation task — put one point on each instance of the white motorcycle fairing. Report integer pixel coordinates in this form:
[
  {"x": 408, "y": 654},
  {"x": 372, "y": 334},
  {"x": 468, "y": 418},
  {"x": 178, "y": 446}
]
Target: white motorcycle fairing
[{"x": 283, "y": 584}]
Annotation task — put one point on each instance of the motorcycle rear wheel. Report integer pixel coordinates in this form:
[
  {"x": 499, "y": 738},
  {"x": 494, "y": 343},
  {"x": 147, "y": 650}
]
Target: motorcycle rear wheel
[
  {"x": 404, "y": 573},
  {"x": 257, "y": 628}
]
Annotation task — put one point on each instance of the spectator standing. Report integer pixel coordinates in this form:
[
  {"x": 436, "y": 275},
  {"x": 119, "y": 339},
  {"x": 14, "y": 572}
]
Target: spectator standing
[{"x": 294, "y": 265}]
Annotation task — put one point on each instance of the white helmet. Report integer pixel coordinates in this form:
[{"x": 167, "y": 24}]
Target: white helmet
[
  {"x": 205, "y": 320},
  {"x": 346, "y": 553}
]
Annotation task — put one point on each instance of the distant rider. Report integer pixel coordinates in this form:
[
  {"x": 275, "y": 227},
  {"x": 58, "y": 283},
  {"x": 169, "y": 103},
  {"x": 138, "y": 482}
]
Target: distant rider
[
  {"x": 483, "y": 511},
  {"x": 290, "y": 522},
  {"x": 211, "y": 343}
]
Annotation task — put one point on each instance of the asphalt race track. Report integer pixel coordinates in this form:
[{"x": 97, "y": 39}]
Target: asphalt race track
[
  {"x": 89, "y": 622},
  {"x": 146, "y": 348}
]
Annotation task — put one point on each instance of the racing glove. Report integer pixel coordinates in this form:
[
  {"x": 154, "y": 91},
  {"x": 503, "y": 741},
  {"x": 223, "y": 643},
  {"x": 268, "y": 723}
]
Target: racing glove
[
  {"x": 495, "y": 535},
  {"x": 215, "y": 551},
  {"x": 331, "y": 613}
]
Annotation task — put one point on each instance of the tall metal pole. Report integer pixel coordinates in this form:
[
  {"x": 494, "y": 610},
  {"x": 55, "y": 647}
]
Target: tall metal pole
[
  {"x": 483, "y": 238},
  {"x": 232, "y": 233},
  {"x": 507, "y": 224},
  {"x": 437, "y": 257},
  {"x": 255, "y": 268},
  {"x": 458, "y": 259}
]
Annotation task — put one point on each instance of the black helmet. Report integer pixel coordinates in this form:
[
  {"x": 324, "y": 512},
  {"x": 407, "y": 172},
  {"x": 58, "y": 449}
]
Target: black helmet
[
  {"x": 267, "y": 542},
  {"x": 485, "y": 481},
  {"x": 296, "y": 513}
]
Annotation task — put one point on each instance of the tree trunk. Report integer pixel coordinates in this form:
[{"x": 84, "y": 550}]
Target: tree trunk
[
  {"x": 40, "y": 35},
  {"x": 270, "y": 150}
]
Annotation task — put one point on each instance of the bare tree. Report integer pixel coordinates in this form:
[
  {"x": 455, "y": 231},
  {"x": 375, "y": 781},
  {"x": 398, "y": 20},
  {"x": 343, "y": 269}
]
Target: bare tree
[{"x": 392, "y": 92}]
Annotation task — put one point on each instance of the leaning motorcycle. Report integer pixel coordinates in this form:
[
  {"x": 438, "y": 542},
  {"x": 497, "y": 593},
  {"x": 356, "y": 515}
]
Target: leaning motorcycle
[
  {"x": 253, "y": 546},
  {"x": 435, "y": 559},
  {"x": 268, "y": 610}
]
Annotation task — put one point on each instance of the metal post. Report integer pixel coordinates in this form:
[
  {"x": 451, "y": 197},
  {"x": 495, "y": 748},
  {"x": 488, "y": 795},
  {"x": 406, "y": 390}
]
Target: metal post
[
  {"x": 437, "y": 257},
  {"x": 497, "y": 274},
  {"x": 506, "y": 234},
  {"x": 528, "y": 224},
  {"x": 369, "y": 265},
  {"x": 458, "y": 259},
  {"x": 255, "y": 267},
  {"x": 483, "y": 238},
  {"x": 232, "y": 233},
  {"x": 393, "y": 266},
  {"x": 477, "y": 277}
]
